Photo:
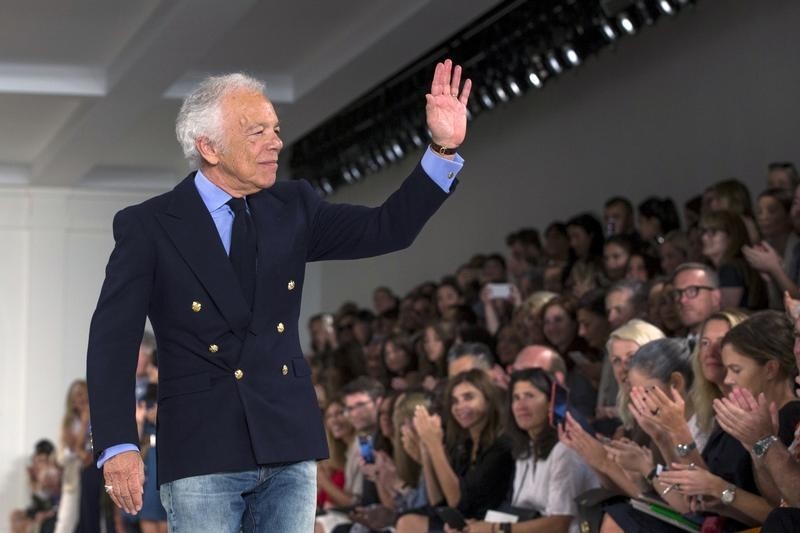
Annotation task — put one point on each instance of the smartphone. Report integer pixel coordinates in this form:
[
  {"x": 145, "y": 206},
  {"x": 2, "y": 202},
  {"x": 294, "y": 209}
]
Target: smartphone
[
  {"x": 366, "y": 448},
  {"x": 499, "y": 291},
  {"x": 559, "y": 403},
  {"x": 452, "y": 517}
]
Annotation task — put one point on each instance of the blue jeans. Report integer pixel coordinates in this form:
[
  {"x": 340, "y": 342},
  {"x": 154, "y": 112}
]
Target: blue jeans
[{"x": 278, "y": 498}]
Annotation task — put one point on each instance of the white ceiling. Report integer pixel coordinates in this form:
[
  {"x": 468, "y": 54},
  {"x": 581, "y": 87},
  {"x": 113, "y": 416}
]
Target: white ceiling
[{"x": 89, "y": 89}]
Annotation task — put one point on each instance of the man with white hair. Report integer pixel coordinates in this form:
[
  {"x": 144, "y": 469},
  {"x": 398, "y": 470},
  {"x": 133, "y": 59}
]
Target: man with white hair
[{"x": 217, "y": 264}]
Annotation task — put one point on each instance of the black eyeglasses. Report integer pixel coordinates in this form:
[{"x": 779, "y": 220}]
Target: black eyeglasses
[{"x": 691, "y": 292}]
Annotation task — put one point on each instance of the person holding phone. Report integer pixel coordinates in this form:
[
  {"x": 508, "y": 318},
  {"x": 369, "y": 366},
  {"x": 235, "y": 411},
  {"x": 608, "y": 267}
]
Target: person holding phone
[
  {"x": 548, "y": 475},
  {"x": 468, "y": 466}
]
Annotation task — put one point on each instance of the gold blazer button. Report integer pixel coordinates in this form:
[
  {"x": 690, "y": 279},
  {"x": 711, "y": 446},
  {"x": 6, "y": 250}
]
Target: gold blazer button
[
  {"x": 213, "y": 348},
  {"x": 196, "y": 307},
  {"x": 290, "y": 285},
  {"x": 280, "y": 327},
  {"x": 238, "y": 374},
  {"x": 284, "y": 370}
]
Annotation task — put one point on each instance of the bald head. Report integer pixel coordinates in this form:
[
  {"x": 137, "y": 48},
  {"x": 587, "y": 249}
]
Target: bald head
[{"x": 537, "y": 356}]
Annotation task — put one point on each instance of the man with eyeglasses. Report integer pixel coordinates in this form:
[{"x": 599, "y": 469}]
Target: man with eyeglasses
[{"x": 696, "y": 295}]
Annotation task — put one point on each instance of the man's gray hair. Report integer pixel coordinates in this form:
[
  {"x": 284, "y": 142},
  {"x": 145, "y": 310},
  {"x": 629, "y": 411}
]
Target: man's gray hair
[
  {"x": 201, "y": 112},
  {"x": 638, "y": 292},
  {"x": 711, "y": 274},
  {"x": 482, "y": 354}
]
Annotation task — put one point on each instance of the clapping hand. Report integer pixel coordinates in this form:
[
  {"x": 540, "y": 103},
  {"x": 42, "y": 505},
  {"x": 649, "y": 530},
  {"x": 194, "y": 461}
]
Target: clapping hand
[
  {"x": 746, "y": 418},
  {"x": 629, "y": 455},
  {"x": 657, "y": 410},
  {"x": 763, "y": 257},
  {"x": 691, "y": 480},
  {"x": 428, "y": 427},
  {"x": 572, "y": 435}
]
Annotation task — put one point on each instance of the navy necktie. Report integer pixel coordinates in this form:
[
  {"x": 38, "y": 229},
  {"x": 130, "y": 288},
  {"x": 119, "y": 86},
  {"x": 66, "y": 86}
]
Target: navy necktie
[{"x": 244, "y": 248}]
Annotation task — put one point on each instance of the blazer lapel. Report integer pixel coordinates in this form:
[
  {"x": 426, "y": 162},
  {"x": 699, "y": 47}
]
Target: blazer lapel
[{"x": 192, "y": 231}]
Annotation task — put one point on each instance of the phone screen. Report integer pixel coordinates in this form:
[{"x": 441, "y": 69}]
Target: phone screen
[
  {"x": 559, "y": 403},
  {"x": 500, "y": 291},
  {"x": 366, "y": 448}
]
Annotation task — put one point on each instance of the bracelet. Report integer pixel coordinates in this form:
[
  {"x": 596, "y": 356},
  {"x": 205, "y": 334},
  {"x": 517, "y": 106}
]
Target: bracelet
[{"x": 439, "y": 149}]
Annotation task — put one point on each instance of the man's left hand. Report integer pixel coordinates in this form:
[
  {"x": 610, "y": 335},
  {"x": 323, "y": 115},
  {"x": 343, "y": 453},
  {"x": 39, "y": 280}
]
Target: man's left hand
[{"x": 446, "y": 105}]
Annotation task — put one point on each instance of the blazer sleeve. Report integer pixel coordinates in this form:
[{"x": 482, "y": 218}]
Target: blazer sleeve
[
  {"x": 116, "y": 332},
  {"x": 342, "y": 231}
]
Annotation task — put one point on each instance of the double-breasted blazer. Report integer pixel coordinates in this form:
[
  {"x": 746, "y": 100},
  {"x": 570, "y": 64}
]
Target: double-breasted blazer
[{"x": 235, "y": 391}]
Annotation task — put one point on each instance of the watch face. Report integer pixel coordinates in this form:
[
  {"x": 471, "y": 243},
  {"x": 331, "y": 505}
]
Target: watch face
[{"x": 727, "y": 496}]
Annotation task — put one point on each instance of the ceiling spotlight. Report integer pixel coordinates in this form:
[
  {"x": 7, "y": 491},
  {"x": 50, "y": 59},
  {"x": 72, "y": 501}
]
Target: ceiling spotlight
[
  {"x": 666, "y": 7},
  {"x": 534, "y": 79},
  {"x": 513, "y": 86},
  {"x": 416, "y": 140},
  {"x": 326, "y": 186},
  {"x": 571, "y": 54},
  {"x": 608, "y": 30},
  {"x": 626, "y": 23},
  {"x": 355, "y": 172},
  {"x": 500, "y": 91},
  {"x": 390, "y": 155},
  {"x": 347, "y": 175},
  {"x": 380, "y": 161},
  {"x": 554, "y": 63},
  {"x": 486, "y": 100},
  {"x": 397, "y": 149}
]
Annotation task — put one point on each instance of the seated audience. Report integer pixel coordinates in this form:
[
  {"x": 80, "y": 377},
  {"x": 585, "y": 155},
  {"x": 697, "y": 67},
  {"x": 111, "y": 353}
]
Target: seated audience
[
  {"x": 548, "y": 476},
  {"x": 625, "y": 300},
  {"x": 468, "y": 466},
  {"x": 673, "y": 251},
  {"x": 782, "y": 175}
]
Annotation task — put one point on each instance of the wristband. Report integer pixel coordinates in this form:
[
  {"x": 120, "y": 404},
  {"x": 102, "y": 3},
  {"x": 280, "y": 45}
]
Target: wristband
[{"x": 439, "y": 149}]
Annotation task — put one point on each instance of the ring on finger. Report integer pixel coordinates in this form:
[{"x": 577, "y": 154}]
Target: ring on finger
[{"x": 108, "y": 488}]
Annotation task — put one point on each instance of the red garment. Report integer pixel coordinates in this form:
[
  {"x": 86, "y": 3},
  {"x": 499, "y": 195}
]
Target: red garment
[{"x": 337, "y": 476}]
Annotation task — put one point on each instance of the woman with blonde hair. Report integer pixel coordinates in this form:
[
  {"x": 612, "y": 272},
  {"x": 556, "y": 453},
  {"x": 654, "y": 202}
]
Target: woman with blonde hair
[
  {"x": 527, "y": 317},
  {"x": 73, "y": 454},
  {"x": 622, "y": 344}
]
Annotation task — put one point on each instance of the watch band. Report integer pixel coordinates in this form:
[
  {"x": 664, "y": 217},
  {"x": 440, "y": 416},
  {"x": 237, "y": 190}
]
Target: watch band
[
  {"x": 439, "y": 149},
  {"x": 763, "y": 444}
]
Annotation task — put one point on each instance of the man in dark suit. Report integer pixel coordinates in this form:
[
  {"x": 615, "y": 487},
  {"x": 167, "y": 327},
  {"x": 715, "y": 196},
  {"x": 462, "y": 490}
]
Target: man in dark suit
[{"x": 217, "y": 264}]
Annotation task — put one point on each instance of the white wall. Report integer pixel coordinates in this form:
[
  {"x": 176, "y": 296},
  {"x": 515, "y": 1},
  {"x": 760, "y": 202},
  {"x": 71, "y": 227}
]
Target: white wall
[{"x": 706, "y": 96}]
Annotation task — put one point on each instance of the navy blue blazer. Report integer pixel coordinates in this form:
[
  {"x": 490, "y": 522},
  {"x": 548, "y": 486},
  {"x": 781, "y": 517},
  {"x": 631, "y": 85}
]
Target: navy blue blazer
[{"x": 234, "y": 389}]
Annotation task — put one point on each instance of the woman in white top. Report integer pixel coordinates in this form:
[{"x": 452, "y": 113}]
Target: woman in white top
[{"x": 548, "y": 475}]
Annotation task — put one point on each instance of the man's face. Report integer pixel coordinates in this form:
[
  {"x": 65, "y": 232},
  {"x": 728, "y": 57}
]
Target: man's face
[
  {"x": 460, "y": 365},
  {"x": 779, "y": 178},
  {"x": 593, "y": 328},
  {"x": 362, "y": 411},
  {"x": 619, "y": 306},
  {"x": 694, "y": 311},
  {"x": 247, "y": 161},
  {"x": 617, "y": 216}
]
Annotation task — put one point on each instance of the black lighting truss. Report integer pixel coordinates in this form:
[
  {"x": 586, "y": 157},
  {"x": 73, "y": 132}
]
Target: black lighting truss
[{"x": 516, "y": 47}]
